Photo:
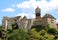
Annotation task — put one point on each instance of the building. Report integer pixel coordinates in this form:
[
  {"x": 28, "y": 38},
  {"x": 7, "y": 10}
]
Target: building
[
  {"x": 26, "y": 24},
  {"x": 57, "y": 26}
]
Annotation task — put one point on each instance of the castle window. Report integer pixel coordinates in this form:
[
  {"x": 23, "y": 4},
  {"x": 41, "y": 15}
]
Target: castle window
[{"x": 52, "y": 20}]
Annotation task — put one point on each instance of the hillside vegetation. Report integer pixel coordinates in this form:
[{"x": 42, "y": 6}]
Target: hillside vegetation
[
  {"x": 35, "y": 33},
  {"x": 38, "y": 33}
]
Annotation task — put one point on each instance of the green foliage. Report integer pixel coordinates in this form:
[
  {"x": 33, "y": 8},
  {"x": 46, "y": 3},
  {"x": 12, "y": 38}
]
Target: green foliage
[
  {"x": 52, "y": 31},
  {"x": 0, "y": 27},
  {"x": 0, "y": 39},
  {"x": 38, "y": 27},
  {"x": 42, "y": 32},
  {"x": 56, "y": 37},
  {"x": 19, "y": 35},
  {"x": 56, "y": 32},
  {"x": 31, "y": 35},
  {"x": 9, "y": 30},
  {"x": 38, "y": 33},
  {"x": 13, "y": 24},
  {"x": 34, "y": 34},
  {"x": 47, "y": 27}
]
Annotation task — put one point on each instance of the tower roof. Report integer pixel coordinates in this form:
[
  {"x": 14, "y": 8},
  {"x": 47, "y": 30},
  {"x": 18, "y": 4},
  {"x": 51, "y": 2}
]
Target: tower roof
[
  {"x": 37, "y": 8},
  {"x": 48, "y": 16}
]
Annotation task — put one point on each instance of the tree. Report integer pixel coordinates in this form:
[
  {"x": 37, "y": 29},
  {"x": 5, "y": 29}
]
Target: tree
[
  {"x": 52, "y": 31},
  {"x": 47, "y": 27},
  {"x": 42, "y": 32},
  {"x": 19, "y": 35},
  {"x": 0, "y": 27}
]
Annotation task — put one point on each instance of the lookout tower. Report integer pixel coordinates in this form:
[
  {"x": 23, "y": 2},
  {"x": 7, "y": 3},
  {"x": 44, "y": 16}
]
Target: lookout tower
[{"x": 38, "y": 13}]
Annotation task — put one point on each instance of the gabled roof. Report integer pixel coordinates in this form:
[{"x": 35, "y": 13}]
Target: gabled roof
[
  {"x": 48, "y": 16},
  {"x": 24, "y": 18},
  {"x": 15, "y": 18},
  {"x": 5, "y": 18}
]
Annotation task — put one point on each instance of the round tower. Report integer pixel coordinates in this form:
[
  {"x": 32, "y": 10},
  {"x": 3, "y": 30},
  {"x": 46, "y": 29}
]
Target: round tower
[{"x": 38, "y": 12}]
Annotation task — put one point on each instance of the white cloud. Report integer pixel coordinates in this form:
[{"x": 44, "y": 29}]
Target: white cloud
[
  {"x": 43, "y": 4},
  {"x": 8, "y": 10},
  {"x": 29, "y": 15},
  {"x": 26, "y": 4}
]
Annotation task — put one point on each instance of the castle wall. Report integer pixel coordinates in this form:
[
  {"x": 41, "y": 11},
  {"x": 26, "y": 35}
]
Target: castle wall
[
  {"x": 44, "y": 22},
  {"x": 37, "y": 22},
  {"x": 30, "y": 23},
  {"x": 4, "y": 23},
  {"x": 51, "y": 22},
  {"x": 23, "y": 24},
  {"x": 41, "y": 21},
  {"x": 9, "y": 24},
  {"x": 19, "y": 21},
  {"x": 27, "y": 23}
]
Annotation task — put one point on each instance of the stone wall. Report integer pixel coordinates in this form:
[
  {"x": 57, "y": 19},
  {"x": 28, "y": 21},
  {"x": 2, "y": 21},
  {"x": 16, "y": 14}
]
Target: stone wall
[
  {"x": 37, "y": 22},
  {"x": 30, "y": 23},
  {"x": 52, "y": 22},
  {"x": 4, "y": 28},
  {"x": 44, "y": 22},
  {"x": 24, "y": 23},
  {"x": 5, "y": 23}
]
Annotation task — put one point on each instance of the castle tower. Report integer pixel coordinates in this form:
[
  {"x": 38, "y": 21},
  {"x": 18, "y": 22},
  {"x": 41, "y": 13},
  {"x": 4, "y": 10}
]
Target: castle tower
[
  {"x": 38, "y": 13},
  {"x": 50, "y": 20}
]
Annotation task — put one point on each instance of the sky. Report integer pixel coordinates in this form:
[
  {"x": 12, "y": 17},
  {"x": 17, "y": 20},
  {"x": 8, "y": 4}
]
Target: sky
[{"x": 12, "y": 8}]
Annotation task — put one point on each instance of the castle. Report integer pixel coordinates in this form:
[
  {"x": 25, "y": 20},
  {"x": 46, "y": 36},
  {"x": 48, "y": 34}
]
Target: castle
[{"x": 26, "y": 24}]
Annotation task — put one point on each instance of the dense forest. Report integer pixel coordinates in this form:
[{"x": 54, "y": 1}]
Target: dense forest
[{"x": 35, "y": 33}]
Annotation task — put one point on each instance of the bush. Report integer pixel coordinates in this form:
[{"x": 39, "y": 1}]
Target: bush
[
  {"x": 47, "y": 28},
  {"x": 52, "y": 31},
  {"x": 13, "y": 23},
  {"x": 55, "y": 37},
  {"x": 9, "y": 30},
  {"x": 42, "y": 32},
  {"x": 0, "y": 27},
  {"x": 38, "y": 27},
  {"x": 19, "y": 35}
]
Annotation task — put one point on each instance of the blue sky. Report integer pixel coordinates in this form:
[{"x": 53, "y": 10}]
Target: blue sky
[{"x": 12, "y": 8}]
